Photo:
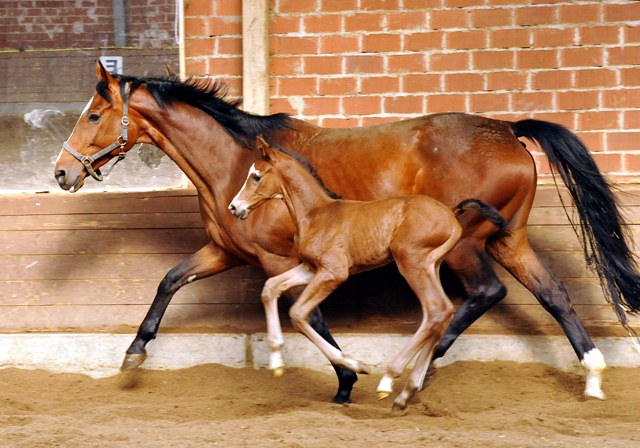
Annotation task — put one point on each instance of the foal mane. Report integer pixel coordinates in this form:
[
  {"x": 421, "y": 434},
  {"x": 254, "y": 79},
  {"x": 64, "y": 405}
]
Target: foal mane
[
  {"x": 304, "y": 163},
  {"x": 209, "y": 97}
]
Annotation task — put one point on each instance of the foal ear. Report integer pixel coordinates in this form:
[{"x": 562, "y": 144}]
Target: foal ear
[
  {"x": 103, "y": 74},
  {"x": 263, "y": 146}
]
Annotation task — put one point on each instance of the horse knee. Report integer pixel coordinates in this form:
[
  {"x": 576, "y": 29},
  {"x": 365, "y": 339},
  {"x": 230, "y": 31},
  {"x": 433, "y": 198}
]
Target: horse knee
[
  {"x": 297, "y": 316},
  {"x": 269, "y": 291}
]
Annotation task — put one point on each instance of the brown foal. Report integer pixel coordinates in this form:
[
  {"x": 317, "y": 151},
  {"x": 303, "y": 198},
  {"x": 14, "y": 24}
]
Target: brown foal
[{"x": 336, "y": 238}]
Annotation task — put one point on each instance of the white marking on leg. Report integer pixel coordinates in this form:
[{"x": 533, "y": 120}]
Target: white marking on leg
[
  {"x": 386, "y": 384},
  {"x": 191, "y": 278},
  {"x": 594, "y": 365},
  {"x": 275, "y": 360}
]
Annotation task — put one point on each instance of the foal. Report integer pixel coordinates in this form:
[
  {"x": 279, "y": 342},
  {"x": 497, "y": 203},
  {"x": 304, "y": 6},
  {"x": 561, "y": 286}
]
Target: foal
[{"x": 336, "y": 238}]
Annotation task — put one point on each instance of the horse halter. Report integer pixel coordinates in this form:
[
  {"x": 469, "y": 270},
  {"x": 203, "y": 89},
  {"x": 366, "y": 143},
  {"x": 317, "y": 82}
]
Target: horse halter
[{"x": 120, "y": 142}]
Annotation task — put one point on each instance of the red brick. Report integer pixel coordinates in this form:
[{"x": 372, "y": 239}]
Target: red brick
[
  {"x": 230, "y": 45},
  {"x": 631, "y": 34},
  {"x": 440, "y": 62},
  {"x": 608, "y": 163},
  {"x": 229, "y": 8},
  {"x": 415, "y": 20},
  {"x": 338, "y": 5},
  {"x": 283, "y": 24},
  {"x": 225, "y": 25},
  {"x": 463, "y": 82},
  {"x": 372, "y": 121},
  {"x": 196, "y": 27},
  {"x": 462, "y": 3},
  {"x": 621, "y": 98},
  {"x": 339, "y": 44},
  {"x": 199, "y": 47},
  {"x": 631, "y": 163},
  {"x": 631, "y": 119},
  {"x": 488, "y": 102},
  {"x": 446, "y": 103},
  {"x": 293, "y": 6},
  {"x": 448, "y": 18},
  {"x": 403, "y": 63},
  {"x": 510, "y": 38},
  {"x": 552, "y": 80},
  {"x": 202, "y": 8},
  {"x": 466, "y": 40},
  {"x": 282, "y": 105},
  {"x": 595, "y": 78},
  {"x": 596, "y": 121},
  {"x": 380, "y": 84},
  {"x": 296, "y": 86},
  {"x": 593, "y": 140},
  {"x": 321, "y": 106},
  {"x": 553, "y": 37},
  {"x": 486, "y": 18},
  {"x": 534, "y": 15},
  {"x": 323, "y": 24},
  {"x": 621, "y": 12},
  {"x": 323, "y": 65},
  {"x": 361, "y": 105},
  {"x": 536, "y": 59},
  {"x": 506, "y": 81},
  {"x": 294, "y": 45},
  {"x": 424, "y": 82},
  {"x": 624, "y": 55},
  {"x": 577, "y": 100},
  {"x": 421, "y": 4},
  {"x": 364, "y": 64},
  {"x": 581, "y": 57},
  {"x": 599, "y": 35},
  {"x": 531, "y": 101},
  {"x": 285, "y": 66},
  {"x": 196, "y": 66},
  {"x": 381, "y": 43},
  {"x": 424, "y": 41},
  {"x": 338, "y": 122},
  {"x": 363, "y": 22},
  {"x": 542, "y": 163},
  {"x": 225, "y": 66},
  {"x": 623, "y": 141},
  {"x": 404, "y": 105},
  {"x": 566, "y": 119},
  {"x": 579, "y": 13},
  {"x": 337, "y": 86},
  {"x": 376, "y": 5},
  {"x": 491, "y": 60}
]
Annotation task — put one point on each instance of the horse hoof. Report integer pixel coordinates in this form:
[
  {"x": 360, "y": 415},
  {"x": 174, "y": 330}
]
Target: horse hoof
[
  {"x": 133, "y": 361},
  {"x": 399, "y": 406},
  {"x": 278, "y": 372},
  {"x": 383, "y": 395}
]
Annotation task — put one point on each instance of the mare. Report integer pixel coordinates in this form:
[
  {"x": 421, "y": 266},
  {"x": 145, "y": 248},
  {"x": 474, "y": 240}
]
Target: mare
[
  {"x": 449, "y": 157},
  {"x": 336, "y": 238}
]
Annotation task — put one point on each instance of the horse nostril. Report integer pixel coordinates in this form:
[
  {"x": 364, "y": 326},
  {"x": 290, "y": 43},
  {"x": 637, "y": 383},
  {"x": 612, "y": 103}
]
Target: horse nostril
[
  {"x": 232, "y": 208},
  {"x": 61, "y": 176}
]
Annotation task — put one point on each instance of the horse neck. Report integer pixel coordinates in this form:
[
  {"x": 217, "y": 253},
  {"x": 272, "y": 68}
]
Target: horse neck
[{"x": 301, "y": 192}]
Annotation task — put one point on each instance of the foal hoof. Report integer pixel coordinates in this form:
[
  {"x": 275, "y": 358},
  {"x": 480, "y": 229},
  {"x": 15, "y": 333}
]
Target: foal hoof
[
  {"x": 132, "y": 361},
  {"x": 278, "y": 372},
  {"x": 383, "y": 395}
]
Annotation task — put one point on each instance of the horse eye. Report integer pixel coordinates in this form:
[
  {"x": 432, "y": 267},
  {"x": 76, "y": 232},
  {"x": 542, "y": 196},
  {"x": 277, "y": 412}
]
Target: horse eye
[
  {"x": 257, "y": 178},
  {"x": 93, "y": 118}
]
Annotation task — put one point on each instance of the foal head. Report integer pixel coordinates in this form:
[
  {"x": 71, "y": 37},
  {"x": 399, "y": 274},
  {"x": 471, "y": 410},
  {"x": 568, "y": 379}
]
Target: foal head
[{"x": 263, "y": 183}]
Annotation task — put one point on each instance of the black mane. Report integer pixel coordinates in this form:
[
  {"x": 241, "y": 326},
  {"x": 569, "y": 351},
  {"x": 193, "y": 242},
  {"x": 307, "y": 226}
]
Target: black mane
[
  {"x": 304, "y": 162},
  {"x": 209, "y": 97}
]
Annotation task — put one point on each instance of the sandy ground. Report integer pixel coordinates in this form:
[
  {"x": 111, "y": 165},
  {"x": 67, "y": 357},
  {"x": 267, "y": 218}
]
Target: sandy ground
[{"x": 467, "y": 404}]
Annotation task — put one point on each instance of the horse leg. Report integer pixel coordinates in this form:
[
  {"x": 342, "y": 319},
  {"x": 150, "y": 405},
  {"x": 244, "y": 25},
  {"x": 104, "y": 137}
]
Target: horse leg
[
  {"x": 514, "y": 253},
  {"x": 208, "y": 261},
  {"x": 437, "y": 311},
  {"x": 322, "y": 284},
  {"x": 273, "y": 289}
]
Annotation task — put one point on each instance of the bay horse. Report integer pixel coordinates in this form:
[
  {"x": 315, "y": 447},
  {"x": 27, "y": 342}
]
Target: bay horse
[
  {"x": 336, "y": 238},
  {"x": 448, "y": 157}
]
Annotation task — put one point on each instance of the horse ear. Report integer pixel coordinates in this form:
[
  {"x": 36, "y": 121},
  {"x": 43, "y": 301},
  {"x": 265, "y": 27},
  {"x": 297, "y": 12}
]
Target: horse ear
[
  {"x": 103, "y": 74},
  {"x": 170, "y": 70},
  {"x": 263, "y": 146}
]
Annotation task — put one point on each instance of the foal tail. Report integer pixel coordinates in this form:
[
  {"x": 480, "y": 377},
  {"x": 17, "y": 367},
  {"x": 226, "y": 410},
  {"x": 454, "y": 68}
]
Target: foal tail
[
  {"x": 602, "y": 231},
  {"x": 486, "y": 210}
]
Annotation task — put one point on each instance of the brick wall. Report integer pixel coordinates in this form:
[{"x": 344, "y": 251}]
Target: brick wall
[
  {"x": 360, "y": 62},
  {"x": 57, "y": 24}
]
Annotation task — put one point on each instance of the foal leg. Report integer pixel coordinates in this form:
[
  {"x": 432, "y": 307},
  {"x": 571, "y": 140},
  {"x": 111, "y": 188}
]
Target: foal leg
[
  {"x": 515, "y": 254},
  {"x": 322, "y": 284},
  {"x": 208, "y": 261},
  {"x": 273, "y": 289}
]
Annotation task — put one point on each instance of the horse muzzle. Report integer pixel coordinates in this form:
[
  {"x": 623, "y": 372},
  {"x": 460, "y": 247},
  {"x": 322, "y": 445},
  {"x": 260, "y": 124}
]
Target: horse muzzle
[
  {"x": 238, "y": 210},
  {"x": 64, "y": 181}
]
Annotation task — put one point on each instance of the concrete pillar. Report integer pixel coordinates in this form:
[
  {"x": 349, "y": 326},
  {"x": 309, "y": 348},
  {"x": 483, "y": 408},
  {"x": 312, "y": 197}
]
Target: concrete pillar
[{"x": 255, "y": 56}]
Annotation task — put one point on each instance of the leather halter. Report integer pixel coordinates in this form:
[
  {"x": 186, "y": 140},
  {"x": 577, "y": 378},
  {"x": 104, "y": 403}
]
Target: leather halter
[{"x": 120, "y": 142}]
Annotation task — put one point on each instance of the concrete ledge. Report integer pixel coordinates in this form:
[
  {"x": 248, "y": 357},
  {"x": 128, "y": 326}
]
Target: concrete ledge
[{"x": 100, "y": 355}]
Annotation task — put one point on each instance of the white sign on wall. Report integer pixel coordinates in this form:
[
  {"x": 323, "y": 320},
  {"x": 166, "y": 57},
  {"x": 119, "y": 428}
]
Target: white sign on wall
[{"x": 113, "y": 64}]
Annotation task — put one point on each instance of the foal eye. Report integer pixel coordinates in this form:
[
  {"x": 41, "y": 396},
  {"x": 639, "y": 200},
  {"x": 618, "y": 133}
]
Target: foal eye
[
  {"x": 93, "y": 118},
  {"x": 257, "y": 178}
]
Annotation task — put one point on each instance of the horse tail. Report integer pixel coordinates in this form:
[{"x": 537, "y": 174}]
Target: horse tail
[
  {"x": 486, "y": 210},
  {"x": 603, "y": 233}
]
